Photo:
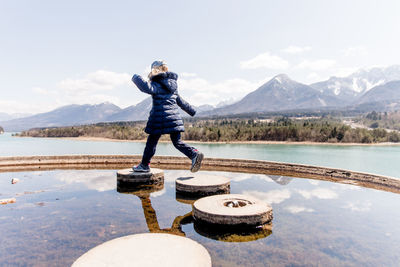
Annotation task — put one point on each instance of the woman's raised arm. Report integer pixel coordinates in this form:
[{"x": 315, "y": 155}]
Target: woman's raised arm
[{"x": 143, "y": 86}]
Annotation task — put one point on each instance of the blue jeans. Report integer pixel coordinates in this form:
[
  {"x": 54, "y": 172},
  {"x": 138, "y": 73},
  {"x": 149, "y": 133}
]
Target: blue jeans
[{"x": 152, "y": 141}]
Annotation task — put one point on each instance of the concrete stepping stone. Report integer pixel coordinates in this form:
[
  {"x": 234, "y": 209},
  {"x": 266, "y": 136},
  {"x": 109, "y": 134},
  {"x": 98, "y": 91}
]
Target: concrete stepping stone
[
  {"x": 202, "y": 185},
  {"x": 129, "y": 176},
  {"x": 147, "y": 250},
  {"x": 232, "y": 210}
]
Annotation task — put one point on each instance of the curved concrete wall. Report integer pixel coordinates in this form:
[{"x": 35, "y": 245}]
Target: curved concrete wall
[{"x": 12, "y": 164}]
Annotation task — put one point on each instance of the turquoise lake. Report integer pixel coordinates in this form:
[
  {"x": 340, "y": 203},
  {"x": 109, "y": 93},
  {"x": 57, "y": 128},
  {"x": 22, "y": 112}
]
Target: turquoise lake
[{"x": 382, "y": 160}]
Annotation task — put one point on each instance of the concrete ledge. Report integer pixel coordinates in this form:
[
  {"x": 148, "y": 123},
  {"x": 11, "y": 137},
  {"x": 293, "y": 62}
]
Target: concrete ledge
[{"x": 32, "y": 163}]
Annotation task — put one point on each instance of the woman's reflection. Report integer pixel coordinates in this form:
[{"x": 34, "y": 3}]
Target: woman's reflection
[{"x": 143, "y": 192}]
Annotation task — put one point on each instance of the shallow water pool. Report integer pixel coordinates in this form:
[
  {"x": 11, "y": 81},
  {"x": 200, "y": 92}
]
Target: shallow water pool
[{"x": 59, "y": 215}]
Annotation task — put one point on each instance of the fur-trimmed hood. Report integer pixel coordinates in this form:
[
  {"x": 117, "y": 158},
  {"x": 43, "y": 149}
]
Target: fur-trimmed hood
[{"x": 167, "y": 79}]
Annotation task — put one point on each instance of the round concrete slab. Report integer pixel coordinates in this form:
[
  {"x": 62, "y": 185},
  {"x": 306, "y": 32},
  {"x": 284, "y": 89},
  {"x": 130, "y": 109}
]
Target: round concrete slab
[
  {"x": 146, "y": 250},
  {"x": 232, "y": 210},
  {"x": 202, "y": 184},
  {"x": 129, "y": 176}
]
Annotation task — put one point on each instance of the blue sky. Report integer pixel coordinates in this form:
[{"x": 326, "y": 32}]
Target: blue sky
[{"x": 55, "y": 53}]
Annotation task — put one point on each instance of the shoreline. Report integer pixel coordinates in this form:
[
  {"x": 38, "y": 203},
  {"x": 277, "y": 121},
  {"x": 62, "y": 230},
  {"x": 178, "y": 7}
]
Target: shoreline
[{"x": 103, "y": 139}]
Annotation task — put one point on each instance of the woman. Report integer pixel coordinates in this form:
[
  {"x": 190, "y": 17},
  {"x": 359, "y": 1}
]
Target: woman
[{"x": 164, "y": 115}]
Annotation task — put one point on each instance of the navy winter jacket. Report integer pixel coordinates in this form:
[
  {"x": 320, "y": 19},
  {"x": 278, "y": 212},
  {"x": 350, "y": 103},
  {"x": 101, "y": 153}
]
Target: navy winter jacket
[{"x": 164, "y": 116}]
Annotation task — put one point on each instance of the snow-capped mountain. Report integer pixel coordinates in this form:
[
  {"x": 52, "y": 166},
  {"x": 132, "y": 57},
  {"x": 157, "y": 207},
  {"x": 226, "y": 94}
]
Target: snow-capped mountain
[
  {"x": 280, "y": 93},
  {"x": 351, "y": 87},
  {"x": 386, "y": 92}
]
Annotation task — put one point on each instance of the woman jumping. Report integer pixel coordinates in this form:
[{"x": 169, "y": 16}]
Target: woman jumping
[{"x": 164, "y": 116}]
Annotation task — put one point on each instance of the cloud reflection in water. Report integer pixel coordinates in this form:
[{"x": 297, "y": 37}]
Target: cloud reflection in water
[
  {"x": 95, "y": 180},
  {"x": 271, "y": 197}
]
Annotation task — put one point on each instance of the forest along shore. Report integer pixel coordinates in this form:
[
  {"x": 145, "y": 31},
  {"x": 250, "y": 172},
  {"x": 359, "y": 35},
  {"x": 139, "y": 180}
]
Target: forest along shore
[{"x": 279, "y": 130}]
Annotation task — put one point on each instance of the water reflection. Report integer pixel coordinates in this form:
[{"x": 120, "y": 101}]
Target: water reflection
[
  {"x": 219, "y": 233},
  {"x": 315, "y": 222},
  {"x": 97, "y": 180},
  {"x": 271, "y": 197},
  {"x": 186, "y": 199},
  {"x": 225, "y": 234},
  {"x": 143, "y": 193},
  {"x": 282, "y": 180}
]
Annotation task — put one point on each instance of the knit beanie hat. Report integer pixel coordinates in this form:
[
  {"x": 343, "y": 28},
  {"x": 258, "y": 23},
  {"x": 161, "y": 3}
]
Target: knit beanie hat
[{"x": 158, "y": 63}]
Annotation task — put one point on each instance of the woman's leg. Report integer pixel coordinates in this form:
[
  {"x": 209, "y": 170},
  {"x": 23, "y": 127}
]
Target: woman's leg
[
  {"x": 150, "y": 148},
  {"x": 189, "y": 151}
]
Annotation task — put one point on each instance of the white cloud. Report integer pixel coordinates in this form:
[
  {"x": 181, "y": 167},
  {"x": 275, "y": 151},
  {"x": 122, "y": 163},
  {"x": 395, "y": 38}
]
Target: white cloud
[
  {"x": 11, "y": 106},
  {"x": 199, "y": 91},
  {"x": 95, "y": 87},
  {"x": 265, "y": 60},
  {"x": 296, "y": 49},
  {"x": 344, "y": 71},
  {"x": 187, "y": 75},
  {"x": 271, "y": 197},
  {"x": 316, "y": 65},
  {"x": 314, "y": 77},
  {"x": 297, "y": 209},
  {"x": 321, "y": 193},
  {"x": 359, "y": 206},
  {"x": 40, "y": 91},
  {"x": 100, "y": 80},
  {"x": 355, "y": 51}
]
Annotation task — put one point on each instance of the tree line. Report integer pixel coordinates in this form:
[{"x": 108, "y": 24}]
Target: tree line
[
  {"x": 388, "y": 120},
  {"x": 227, "y": 130}
]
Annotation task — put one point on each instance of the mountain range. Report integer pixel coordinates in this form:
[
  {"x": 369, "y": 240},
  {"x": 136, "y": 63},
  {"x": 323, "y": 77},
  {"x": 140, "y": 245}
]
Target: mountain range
[
  {"x": 349, "y": 89},
  {"x": 280, "y": 93},
  {"x": 374, "y": 89}
]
